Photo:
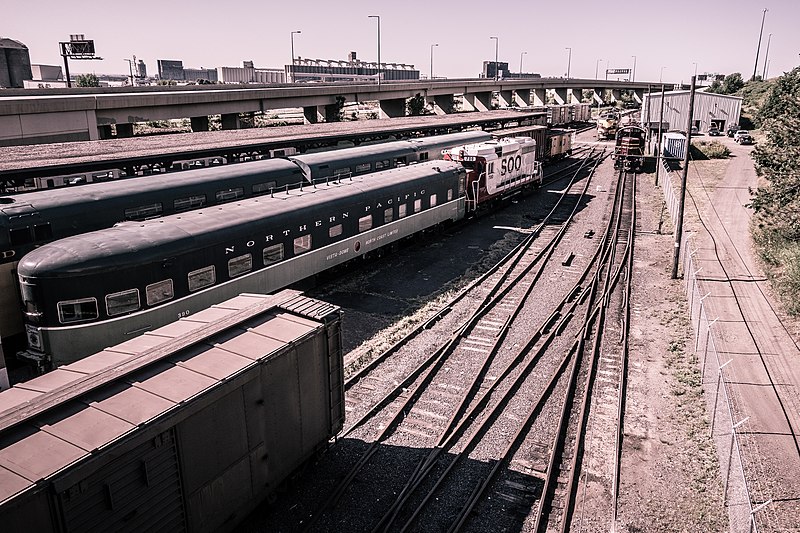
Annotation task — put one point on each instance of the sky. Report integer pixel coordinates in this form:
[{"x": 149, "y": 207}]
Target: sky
[{"x": 667, "y": 38}]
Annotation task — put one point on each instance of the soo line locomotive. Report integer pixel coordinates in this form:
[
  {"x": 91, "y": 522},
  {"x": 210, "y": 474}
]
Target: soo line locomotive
[{"x": 89, "y": 291}]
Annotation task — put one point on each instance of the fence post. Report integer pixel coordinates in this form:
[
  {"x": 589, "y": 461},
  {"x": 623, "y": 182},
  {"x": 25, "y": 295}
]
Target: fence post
[
  {"x": 730, "y": 458},
  {"x": 754, "y": 511},
  {"x": 716, "y": 396},
  {"x": 705, "y": 350}
]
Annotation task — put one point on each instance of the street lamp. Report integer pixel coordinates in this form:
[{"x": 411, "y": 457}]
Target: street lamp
[
  {"x": 520, "y": 63},
  {"x": 633, "y": 75},
  {"x": 291, "y": 67},
  {"x": 130, "y": 66},
  {"x": 596, "y": 68},
  {"x": 569, "y": 61},
  {"x": 379, "y": 45},
  {"x": 766, "y": 58},
  {"x": 496, "y": 49},
  {"x": 760, "y": 34},
  {"x": 661, "y": 76},
  {"x": 437, "y": 44},
  {"x": 695, "y": 68}
]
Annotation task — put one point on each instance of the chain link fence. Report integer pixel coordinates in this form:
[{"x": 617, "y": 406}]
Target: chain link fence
[{"x": 736, "y": 496}]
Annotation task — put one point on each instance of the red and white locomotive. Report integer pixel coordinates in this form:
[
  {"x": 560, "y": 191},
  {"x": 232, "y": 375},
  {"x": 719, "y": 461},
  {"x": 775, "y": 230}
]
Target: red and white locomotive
[{"x": 497, "y": 169}]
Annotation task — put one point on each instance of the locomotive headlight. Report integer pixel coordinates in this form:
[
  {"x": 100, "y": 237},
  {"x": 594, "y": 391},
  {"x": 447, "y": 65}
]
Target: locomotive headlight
[{"x": 34, "y": 337}]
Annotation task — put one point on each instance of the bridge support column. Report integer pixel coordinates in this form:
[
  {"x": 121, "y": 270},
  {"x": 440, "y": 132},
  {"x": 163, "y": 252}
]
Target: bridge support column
[
  {"x": 443, "y": 104},
  {"x": 478, "y": 101},
  {"x": 597, "y": 97},
  {"x": 539, "y": 97},
  {"x": 124, "y": 130},
  {"x": 230, "y": 121},
  {"x": 200, "y": 123},
  {"x": 616, "y": 95},
  {"x": 104, "y": 131},
  {"x": 506, "y": 98},
  {"x": 638, "y": 95},
  {"x": 313, "y": 114},
  {"x": 393, "y": 108},
  {"x": 561, "y": 96},
  {"x": 574, "y": 96},
  {"x": 522, "y": 97}
]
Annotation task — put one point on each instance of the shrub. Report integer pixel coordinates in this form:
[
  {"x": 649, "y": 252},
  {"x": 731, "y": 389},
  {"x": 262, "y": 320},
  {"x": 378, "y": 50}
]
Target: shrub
[{"x": 712, "y": 149}]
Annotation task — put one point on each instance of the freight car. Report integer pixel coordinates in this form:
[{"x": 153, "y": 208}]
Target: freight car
[
  {"x": 629, "y": 148},
  {"x": 85, "y": 292},
  {"x": 184, "y": 429},
  {"x": 552, "y": 144}
]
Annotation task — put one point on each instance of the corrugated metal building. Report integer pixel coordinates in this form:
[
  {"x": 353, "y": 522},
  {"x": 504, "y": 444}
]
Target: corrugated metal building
[
  {"x": 709, "y": 109},
  {"x": 248, "y": 74}
]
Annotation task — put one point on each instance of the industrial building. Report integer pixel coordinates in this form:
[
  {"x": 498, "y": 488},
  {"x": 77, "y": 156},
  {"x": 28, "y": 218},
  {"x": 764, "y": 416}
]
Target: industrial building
[
  {"x": 169, "y": 69},
  {"x": 710, "y": 109},
  {"x": 248, "y": 73},
  {"x": 15, "y": 63},
  {"x": 327, "y": 70}
]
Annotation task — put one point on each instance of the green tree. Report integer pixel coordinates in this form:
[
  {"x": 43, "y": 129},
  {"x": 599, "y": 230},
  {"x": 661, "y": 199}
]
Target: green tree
[
  {"x": 732, "y": 84},
  {"x": 87, "y": 80},
  {"x": 335, "y": 112},
  {"x": 416, "y": 105}
]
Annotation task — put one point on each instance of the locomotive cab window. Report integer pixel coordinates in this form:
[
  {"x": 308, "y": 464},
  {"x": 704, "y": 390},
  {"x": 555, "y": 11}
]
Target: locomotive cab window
[
  {"x": 192, "y": 202},
  {"x": 423, "y": 156},
  {"x": 159, "y": 292},
  {"x": 201, "y": 278},
  {"x": 77, "y": 310},
  {"x": 364, "y": 223},
  {"x": 273, "y": 254},
  {"x": 230, "y": 194},
  {"x": 240, "y": 265},
  {"x": 122, "y": 302},
  {"x": 302, "y": 244},
  {"x": 144, "y": 211}
]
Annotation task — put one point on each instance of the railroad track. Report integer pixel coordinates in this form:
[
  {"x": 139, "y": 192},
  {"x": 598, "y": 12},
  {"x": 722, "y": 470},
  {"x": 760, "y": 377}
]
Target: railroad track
[{"x": 454, "y": 406}]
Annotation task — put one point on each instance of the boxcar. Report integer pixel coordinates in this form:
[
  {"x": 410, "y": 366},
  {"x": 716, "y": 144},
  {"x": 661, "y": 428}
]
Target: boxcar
[{"x": 186, "y": 428}]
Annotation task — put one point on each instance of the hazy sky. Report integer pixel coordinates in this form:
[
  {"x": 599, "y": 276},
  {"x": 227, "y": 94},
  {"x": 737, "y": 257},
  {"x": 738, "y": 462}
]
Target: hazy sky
[{"x": 720, "y": 35}]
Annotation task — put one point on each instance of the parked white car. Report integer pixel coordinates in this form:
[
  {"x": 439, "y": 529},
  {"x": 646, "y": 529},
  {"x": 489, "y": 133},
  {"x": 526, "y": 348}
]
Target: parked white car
[{"x": 740, "y": 133}]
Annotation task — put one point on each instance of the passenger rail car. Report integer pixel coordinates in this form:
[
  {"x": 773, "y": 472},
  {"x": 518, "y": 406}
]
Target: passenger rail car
[
  {"x": 89, "y": 291},
  {"x": 629, "y": 148},
  {"x": 191, "y": 441},
  {"x": 32, "y": 219},
  {"x": 498, "y": 169}
]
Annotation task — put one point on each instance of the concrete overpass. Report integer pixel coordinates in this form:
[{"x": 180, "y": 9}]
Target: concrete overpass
[{"x": 57, "y": 115}]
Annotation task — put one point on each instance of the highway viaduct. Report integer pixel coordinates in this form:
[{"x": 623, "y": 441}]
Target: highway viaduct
[{"x": 36, "y": 116}]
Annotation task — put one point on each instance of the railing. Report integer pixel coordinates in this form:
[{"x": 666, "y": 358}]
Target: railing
[{"x": 736, "y": 495}]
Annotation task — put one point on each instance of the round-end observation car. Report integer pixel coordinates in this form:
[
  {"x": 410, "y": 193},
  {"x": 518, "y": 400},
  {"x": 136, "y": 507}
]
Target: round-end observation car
[{"x": 89, "y": 291}]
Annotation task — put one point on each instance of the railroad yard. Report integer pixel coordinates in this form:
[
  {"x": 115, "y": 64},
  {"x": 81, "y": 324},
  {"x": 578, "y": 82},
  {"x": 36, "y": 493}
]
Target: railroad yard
[{"x": 535, "y": 369}]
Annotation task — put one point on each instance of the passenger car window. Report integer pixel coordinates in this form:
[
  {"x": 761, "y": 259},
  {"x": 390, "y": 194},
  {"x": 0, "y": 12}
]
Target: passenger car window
[
  {"x": 387, "y": 215},
  {"x": 261, "y": 188},
  {"x": 202, "y": 278},
  {"x": 401, "y": 211},
  {"x": 417, "y": 206},
  {"x": 365, "y": 223},
  {"x": 77, "y": 310},
  {"x": 122, "y": 302},
  {"x": 192, "y": 202},
  {"x": 273, "y": 254},
  {"x": 144, "y": 211},
  {"x": 302, "y": 244},
  {"x": 159, "y": 292},
  {"x": 335, "y": 231},
  {"x": 230, "y": 194},
  {"x": 240, "y": 265},
  {"x": 433, "y": 200},
  {"x": 363, "y": 167}
]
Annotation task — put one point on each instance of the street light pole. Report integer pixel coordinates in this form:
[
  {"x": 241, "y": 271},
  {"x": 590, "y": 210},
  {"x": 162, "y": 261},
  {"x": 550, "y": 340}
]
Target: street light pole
[
  {"x": 597, "y": 68},
  {"x": 766, "y": 58},
  {"x": 760, "y": 34},
  {"x": 569, "y": 60},
  {"x": 695, "y": 68},
  {"x": 291, "y": 66},
  {"x": 437, "y": 44},
  {"x": 661, "y": 76},
  {"x": 520, "y": 63},
  {"x": 496, "y": 50},
  {"x": 633, "y": 75},
  {"x": 379, "y": 46}
]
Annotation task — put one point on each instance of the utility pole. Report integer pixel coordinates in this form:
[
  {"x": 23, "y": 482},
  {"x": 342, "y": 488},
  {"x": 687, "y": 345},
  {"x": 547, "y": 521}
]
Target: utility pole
[
  {"x": 569, "y": 60},
  {"x": 660, "y": 124},
  {"x": 766, "y": 58},
  {"x": 682, "y": 200},
  {"x": 432, "y": 46},
  {"x": 291, "y": 65},
  {"x": 633, "y": 74},
  {"x": 379, "y": 46},
  {"x": 496, "y": 50},
  {"x": 758, "y": 50}
]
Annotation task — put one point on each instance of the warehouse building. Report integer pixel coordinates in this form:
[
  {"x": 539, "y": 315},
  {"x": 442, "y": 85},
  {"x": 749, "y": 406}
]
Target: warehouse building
[{"x": 710, "y": 109}]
